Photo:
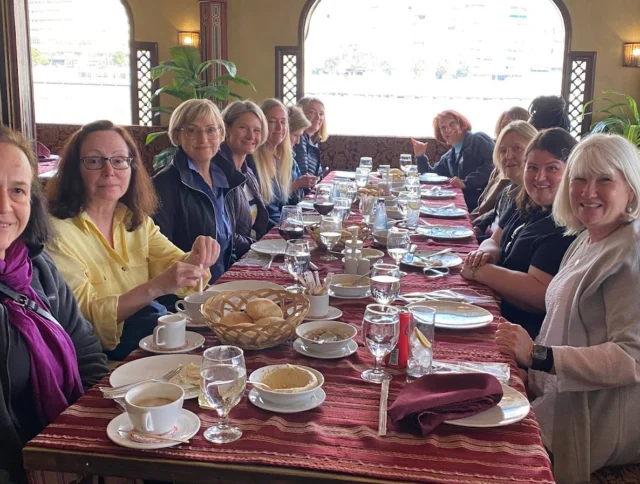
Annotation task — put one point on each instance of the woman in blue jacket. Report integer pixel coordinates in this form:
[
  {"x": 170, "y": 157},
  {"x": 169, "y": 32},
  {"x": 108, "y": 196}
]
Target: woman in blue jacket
[{"x": 468, "y": 163}]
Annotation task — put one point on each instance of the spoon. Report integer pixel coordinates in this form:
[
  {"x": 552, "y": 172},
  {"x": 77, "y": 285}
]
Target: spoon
[
  {"x": 260, "y": 384},
  {"x": 268, "y": 265},
  {"x": 354, "y": 282}
]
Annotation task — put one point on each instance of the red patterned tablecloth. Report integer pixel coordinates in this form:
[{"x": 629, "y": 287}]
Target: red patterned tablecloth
[{"x": 339, "y": 438}]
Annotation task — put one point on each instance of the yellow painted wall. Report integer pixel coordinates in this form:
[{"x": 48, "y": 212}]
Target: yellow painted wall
[{"x": 257, "y": 26}]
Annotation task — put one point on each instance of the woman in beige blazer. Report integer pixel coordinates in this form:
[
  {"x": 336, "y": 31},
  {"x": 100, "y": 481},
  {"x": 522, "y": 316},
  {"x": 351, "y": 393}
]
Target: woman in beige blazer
[{"x": 584, "y": 366}]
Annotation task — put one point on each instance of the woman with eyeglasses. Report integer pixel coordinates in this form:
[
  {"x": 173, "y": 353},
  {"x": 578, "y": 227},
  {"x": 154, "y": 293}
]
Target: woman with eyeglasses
[
  {"x": 107, "y": 247},
  {"x": 197, "y": 195},
  {"x": 524, "y": 253}
]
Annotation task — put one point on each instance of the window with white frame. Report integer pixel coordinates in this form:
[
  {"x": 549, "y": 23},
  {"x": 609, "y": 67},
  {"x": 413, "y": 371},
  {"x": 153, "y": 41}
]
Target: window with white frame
[{"x": 387, "y": 68}]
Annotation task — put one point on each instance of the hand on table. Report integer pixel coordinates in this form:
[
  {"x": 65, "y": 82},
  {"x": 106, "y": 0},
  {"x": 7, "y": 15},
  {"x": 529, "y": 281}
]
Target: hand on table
[
  {"x": 513, "y": 339},
  {"x": 306, "y": 181},
  {"x": 457, "y": 182},
  {"x": 478, "y": 258}
]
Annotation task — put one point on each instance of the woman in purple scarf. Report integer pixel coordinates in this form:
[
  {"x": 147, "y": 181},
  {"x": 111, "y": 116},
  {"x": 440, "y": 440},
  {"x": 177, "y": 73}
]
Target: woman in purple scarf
[{"x": 45, "y": 363}]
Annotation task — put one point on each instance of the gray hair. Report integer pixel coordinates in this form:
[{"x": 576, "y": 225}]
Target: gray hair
[
  {"x": 190, "y": 111},
  {"x": 237, "y": 108},
  {"x": 598, "y": 155}
]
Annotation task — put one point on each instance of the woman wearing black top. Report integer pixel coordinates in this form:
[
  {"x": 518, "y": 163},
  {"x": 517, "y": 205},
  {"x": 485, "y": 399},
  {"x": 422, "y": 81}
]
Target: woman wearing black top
[{"x": 522, "y": 256}]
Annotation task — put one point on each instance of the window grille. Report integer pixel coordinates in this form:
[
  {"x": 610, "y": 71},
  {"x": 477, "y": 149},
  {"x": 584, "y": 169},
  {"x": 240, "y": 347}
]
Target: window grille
[
  {"x": 578, "y": 89},
  {"x": 146, "y": 57}
]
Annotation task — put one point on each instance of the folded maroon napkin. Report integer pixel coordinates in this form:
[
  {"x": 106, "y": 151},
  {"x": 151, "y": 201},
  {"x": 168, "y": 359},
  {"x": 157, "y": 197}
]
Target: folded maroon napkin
[{"x": 425, "y": 403}]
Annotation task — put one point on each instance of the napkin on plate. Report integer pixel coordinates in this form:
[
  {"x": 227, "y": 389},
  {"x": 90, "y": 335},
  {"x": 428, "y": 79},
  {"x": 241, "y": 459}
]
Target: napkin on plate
[{"x": 425, "y": 403}]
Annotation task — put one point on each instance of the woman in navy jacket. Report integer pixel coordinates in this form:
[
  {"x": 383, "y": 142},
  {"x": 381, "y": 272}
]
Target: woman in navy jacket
[{"x": 468, "y": 163}]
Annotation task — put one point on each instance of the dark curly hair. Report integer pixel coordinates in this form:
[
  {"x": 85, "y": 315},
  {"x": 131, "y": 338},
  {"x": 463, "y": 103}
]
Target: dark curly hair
[
  {"x": 65, "y": 190},
  {"x": 549, "y": 112}
]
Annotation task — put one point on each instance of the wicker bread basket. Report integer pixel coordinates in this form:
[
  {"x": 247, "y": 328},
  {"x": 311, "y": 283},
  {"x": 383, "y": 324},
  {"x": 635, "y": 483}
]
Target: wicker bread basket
[
  {"x": 363, "y": 232},
  {"x": 252, "y": 336}
]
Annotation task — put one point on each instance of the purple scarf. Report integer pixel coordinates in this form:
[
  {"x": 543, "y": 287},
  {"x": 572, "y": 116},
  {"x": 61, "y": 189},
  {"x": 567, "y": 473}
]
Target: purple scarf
[{"x": 55, "y": 378}]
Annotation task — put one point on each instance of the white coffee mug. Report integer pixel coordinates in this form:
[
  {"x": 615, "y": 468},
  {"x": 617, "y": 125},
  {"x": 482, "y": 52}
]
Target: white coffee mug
[
  {"x": 170, "y": 332},
  {"x": 190, "y": 305},
  {"x": 154, "y": 408},
  {"x": 319, "y": 306}
]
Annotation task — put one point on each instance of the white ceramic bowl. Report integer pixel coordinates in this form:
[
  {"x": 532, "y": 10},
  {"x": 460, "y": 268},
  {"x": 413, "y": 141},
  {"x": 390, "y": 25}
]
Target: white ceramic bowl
[
  {"x": 390, "y": 222},
  {"x": 380, "y": 237},
  {"x": 349, "y": 291},
  {"x": 280, "y": 398},
  {"x": 328, "y": 346},
  {"x": 395, "y": 214}
]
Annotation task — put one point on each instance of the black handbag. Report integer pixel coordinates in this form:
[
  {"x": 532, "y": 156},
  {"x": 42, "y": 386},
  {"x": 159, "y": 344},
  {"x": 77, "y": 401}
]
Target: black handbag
[{"x": 25, "y": 302}]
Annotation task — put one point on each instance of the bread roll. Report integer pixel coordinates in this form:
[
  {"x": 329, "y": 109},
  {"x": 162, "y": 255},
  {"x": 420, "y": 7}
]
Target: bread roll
[
  {"x": 268, "y": 320},
  {"x": 236, "y": 318},
  {"x": 263, "y": 308}
]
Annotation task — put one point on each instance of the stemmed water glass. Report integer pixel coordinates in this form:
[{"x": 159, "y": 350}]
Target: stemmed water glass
[
  {"x": 405, "y": 162},
  {"x": 380, "y": 331},
  {"x": 297, "y": 258},
  {"x": 223, "y": 379},
  {"x": 366, "y": 163},
  {"x": 341, "y": 208},
  {"x": 362, "y": 177},
  {"x": 412, "y": 183},
  {"x": 385, "y": 282},
  {"x": 398, "y": 242},
  {"x": 330, "y": 235}
]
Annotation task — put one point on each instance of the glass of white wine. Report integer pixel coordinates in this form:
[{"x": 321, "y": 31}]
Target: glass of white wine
[
  {"x": 330, "y": 235},
  {"x": 380, "y": 331},
  {"x": 398, "y": 242},
  {"x": 385, "y": 282},
  {"x": 223, "y": 379}
]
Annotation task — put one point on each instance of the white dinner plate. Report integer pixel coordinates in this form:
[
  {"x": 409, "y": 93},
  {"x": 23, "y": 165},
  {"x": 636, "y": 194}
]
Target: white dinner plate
[
  {"x": 433, "y": 178},
  {"x": 270, "y": 246},
  {"x": 343, "y": 352},
  {"x": 513, "y": 407},
  {"x": 457, "y": 315},
  {"x": 437, "y": 194},
  {"x": 188, "y": 425},
  {"x": 351, "y": 175},
  {"x": 442, "y": 232},
  {"x": 153, "y": 367},
  {"x": 306, "y": 205},
  {"x": 193, "y": 341},
  {"x": 249, "y": 285},
  {"x": 447, "y": 260},
  {"x": 314, "y": 401},
  {"x": 438, "y": 212}
]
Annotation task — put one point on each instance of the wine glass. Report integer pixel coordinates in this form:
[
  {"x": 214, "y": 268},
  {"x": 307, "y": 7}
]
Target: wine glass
[
  {"x": 398, "y": 242},
  {"x": 385, "y": 282},
  {"x": 291, "y": 222},
  {"x": 380, "y": 331},
  {"x": 223, "y": 379},
  {"x": 341, "y": 208},
  {"x": 362, "y": 177},
  {"x": 366, "y": 163},
  {"x": 297, "y": 258},
  {"x": 323, "y": 202},
  {"x": 330, "y": 235},
  {"x": 405, "y": 161}
]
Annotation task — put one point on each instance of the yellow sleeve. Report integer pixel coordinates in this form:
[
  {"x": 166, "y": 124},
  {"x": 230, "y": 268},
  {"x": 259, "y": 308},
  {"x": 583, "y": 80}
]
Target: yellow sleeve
[
  {"x": 101, "y": 312},
  {"x": 163, "y": 254}
]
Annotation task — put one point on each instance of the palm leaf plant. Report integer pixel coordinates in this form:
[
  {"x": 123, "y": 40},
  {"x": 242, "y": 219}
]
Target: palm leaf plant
[
  {"x": 620, "y": 116},
  {"x": 188, "y": 83}
]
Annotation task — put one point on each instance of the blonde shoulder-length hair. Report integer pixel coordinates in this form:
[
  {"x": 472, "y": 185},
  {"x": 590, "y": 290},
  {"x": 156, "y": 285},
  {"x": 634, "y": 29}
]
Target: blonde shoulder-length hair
[
  {"x": 522, "y": 129},
  {"x": 598, "y": 155},
  {"x": 284, "y": 152},
  {"x": 191, "y": 111},
  {"x": 237, "y": 108},
  {"x": 322, "y": 134}
]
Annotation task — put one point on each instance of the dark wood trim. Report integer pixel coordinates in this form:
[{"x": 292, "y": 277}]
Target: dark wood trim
[
  {"x": 16, "y": 82},
  {"x": 589, "y": 86},
  {"x": 282, "y": 50},
  {"x": 568, "y": 34},
  {"x": 214, "y": 43}
]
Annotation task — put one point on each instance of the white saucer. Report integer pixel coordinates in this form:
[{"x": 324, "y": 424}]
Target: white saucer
[
  {"x": 196, "y": 324},
  {"x": 334, "y": 313},
  {"x": 316, "y": 400},
  {"x": 194, "y": 340},
  {"x": 348, "y": 350},
  {"x": 188, "y": 426},
  {"x": 332, "y": 294}
]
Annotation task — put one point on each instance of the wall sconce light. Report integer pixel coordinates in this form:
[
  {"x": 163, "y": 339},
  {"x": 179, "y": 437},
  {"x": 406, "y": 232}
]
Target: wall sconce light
[
  {"x": 631, "y": 55},
  {"x": 189, "y": 38}
]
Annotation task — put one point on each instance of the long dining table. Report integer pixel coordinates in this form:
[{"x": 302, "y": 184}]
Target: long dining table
[{"x": 335, "y": 442}]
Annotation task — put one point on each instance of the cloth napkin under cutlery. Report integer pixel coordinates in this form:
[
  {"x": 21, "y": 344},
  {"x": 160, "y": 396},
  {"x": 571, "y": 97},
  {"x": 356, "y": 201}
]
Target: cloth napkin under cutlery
[{"x": 427, "y": 402}]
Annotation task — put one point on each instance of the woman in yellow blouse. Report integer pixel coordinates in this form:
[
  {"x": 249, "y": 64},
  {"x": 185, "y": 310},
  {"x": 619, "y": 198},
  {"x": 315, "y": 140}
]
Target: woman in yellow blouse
[{"x": 107, "y": 247}]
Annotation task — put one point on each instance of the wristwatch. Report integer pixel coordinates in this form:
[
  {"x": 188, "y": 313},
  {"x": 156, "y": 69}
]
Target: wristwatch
[{"x": 542, "y": 358}]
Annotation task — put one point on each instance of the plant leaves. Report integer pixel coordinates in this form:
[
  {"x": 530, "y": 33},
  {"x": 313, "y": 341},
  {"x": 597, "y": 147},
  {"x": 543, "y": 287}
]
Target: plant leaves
[
  {"x": 186, "y": 56},
  {"x": 237, "y": 80},
  {"x": 230, "y": 66},
  {"x": 152, "y": 136},
  {"x": 163, "y": 158}
]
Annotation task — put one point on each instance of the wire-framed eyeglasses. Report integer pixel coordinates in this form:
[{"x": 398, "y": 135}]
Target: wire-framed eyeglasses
[
  {"x": 210, "y": 132},
  {"x": 97, "y": 162}
]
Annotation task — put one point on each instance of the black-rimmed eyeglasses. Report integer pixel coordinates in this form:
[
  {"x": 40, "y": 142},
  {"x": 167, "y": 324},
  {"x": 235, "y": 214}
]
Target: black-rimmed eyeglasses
[{"x": 97, "y": 162}]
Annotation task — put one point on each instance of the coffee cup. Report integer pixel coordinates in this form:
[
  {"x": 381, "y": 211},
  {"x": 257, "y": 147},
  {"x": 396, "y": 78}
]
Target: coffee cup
[
  {"x": 190, "y": 305},
  {"x": 319, "y": 306},
  {"x": 170, "y": 332},
  {"x": 153, "y": 407}
]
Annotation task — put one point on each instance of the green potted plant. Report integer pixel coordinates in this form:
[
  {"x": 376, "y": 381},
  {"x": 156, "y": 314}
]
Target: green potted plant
[
  {"x": 621, "y": 117},
  {"x": 188, "y": 83}
]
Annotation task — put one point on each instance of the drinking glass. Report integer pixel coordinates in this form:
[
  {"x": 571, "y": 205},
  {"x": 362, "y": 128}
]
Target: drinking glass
[
  {"x": 421, "y": 335},
  {"x": 367, "y": 209},
  {"x": 330, "y": 235},
  {"x": 352, "y": 191},
  {"x": 384, "y": 170},
  {"x": 366, "y": 163},
  {"x": 412, "y": 170},
  {"x": 323, "y": 202},
  {"x": 291, "y": 223},
  {"x": 398, "y": 242},
  {"x": 362, "y": 177},
  {"x": 341, "y": 208},
  {"x": 385, "y": 282},
  {"x": 405, "y": 161},
  {"x": 340, "y": 189},
  {"x": 223, "y": 379},
  {"x": 403, "y": 202},
  {"x": 380, "y": 331},
  {"x": 412, "y": 183},
  {"x": 297, "y": 258}
]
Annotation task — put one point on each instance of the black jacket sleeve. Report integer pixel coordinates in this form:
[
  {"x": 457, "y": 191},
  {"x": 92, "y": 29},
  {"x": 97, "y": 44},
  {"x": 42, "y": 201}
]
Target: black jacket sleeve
[
  {"x": 441, "y": 167},
  {"x": 480, "y": 153},
  {"x": 164, "y": 218}
]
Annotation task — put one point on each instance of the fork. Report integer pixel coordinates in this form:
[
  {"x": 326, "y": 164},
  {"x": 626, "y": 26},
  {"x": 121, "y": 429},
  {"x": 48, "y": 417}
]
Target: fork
[
  {"x": 116, "y": 392},
  {"x": 267, "y": 266}
]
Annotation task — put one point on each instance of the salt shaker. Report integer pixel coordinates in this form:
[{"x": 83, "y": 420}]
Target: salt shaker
[
  {"x": 351, "y": 256},
  {"x": 364, "y": 266}
]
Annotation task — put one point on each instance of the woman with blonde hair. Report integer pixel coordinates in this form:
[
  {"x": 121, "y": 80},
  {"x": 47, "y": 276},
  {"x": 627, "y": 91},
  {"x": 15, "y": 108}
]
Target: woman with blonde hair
[
  {"x": 583, "y": 368},
  {"x": 300, "y": 184},
  {"x": 273, "y": 161},
  {"x": 307, "y": 151}
]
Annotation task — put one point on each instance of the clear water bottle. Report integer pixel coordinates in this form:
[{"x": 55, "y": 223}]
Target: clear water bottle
[{"x": 380, "y": 222}]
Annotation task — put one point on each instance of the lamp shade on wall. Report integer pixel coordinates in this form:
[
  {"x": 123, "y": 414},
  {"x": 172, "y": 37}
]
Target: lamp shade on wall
[
  {"x": 189, "y": 38},
  {"x": 631, "y": 55}
]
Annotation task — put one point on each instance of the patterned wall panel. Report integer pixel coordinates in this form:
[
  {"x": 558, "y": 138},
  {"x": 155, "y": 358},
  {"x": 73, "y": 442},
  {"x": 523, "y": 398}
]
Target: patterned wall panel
[
  {"x": 146, "y": 58},
  {"x": 213, "y": 34},
  {"x": 578, "y": 89},
  {"x": 288, "y": 83}
]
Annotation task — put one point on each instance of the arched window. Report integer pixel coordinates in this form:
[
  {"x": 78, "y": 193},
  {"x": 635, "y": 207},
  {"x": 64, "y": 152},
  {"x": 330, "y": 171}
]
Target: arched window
[
  {"x": 387, "y": 68},
  {"x": 80, "y": 53}
]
